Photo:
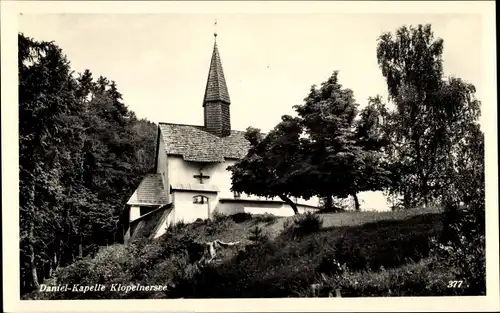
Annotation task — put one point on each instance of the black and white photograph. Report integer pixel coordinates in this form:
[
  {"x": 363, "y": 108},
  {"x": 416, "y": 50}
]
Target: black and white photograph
[{"x": 222, "y": 154}]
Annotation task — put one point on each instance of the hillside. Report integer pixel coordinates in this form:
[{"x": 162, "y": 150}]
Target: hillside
[{"x": 359, "y": 253}]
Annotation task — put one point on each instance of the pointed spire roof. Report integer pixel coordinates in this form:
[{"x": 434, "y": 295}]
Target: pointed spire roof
[{"x": 216, "y": 89}]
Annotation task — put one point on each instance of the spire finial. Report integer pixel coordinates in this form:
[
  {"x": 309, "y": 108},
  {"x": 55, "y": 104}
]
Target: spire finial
[{"x": 215, "y": 30}]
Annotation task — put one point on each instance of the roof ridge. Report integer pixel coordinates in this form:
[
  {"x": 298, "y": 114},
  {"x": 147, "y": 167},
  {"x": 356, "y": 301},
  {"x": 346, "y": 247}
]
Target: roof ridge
[
  {"x": 168, "y": 123},
  {"x": 177, "y": 124}
]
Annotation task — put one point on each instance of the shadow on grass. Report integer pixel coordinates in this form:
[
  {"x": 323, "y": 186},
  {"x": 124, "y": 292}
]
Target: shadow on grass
[{"x": 383, "y": 224}]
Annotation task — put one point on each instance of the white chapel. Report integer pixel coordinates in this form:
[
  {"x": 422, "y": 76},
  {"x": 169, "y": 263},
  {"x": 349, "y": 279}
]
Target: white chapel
[{"x": 191, "y": 180}]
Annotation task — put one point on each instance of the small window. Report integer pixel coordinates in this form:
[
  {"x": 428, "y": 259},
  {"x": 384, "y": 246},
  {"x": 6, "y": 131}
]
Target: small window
[
  {"x": 199, "y": 200},
  {"x": 237, "y": 194}
]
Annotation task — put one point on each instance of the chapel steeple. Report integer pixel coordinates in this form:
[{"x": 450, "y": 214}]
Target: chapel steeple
[{"x": 216, "y": 100}]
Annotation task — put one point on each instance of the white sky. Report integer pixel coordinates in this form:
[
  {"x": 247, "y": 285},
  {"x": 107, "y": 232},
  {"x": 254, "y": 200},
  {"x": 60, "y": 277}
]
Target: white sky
[{"x": 160, "y": 62}]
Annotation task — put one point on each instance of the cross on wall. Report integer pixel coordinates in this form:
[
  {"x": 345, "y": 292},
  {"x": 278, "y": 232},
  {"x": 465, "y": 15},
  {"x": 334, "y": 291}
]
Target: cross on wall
[{"x": 201, "y": 177}]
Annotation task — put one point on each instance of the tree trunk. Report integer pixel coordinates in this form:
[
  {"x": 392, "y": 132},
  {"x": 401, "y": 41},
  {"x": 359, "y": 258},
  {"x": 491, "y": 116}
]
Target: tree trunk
[
  {"x": 290, "y": 203},
  {"x": 48, "y": 269},
  {"x": 80, "y": 248},
  {"x": 356, "y": 202},
  {"x": 52, "y": 262},
  {"x": 34, "y": 275},
  {"x": 425, "y": 193},
  {"x": 56, "y": 259},
  {"x": 31, "y": 249},
  {"x": 328, "y": 203}
]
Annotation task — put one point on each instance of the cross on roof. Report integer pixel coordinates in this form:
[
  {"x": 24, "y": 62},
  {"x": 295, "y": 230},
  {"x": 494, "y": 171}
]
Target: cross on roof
[{"x": 201, "y": 177}]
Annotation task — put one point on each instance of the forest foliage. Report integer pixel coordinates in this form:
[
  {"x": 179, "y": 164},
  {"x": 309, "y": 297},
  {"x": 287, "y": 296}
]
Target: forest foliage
[{"x": 81, "y": 154}]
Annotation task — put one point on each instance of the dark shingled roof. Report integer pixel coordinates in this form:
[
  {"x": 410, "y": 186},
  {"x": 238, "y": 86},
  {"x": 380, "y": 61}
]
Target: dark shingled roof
[
  {"x": 216, "y": 89},
  {"x": 197, "y": 145},
  {"x": 150, "y": 191}
]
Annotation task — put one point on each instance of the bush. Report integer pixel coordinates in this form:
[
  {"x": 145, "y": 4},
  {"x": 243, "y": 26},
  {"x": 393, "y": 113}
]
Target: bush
[
  {"x": 109, "y": 266},
  {"x": 218, "y": 217},
  {"x": 219, "y": 224},
  {"x": 308, "y": 222},
  {"x": 170, "y": 272},
  {"x": 303, "y": 224},
  {"x": 256, "y": 234},
  {"x": 199, "y": 221},
  {"x": 241, "y": 217},
  {"x": 176, "y": 242},
  {"x": 266, "y": 218},
  {"x": 462, "y": 246}
]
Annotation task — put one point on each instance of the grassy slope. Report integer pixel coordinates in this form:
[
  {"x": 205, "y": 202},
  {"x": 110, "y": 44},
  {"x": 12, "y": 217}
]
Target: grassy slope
[
  {"x": 364, "y": 241},
  {"x": 386, "y": 254},
  {"x": 240, "y": 231}
]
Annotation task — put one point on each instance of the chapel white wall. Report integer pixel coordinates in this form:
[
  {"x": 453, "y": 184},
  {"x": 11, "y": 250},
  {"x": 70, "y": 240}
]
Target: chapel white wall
[
  {"x": 162, "y": 165},
  {"x": 181, "y": 172},
  {"x": 135, "y": 213}
]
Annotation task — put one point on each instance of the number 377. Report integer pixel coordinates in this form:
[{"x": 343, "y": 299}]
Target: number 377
[{"x": 454, "y": 283}]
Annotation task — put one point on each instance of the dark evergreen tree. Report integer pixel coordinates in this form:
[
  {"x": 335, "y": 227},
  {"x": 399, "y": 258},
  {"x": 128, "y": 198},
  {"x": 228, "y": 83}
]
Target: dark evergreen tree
[{"x": 81, "y": 155}]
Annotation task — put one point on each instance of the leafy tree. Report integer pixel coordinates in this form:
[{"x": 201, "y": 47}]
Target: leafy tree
[
  {"x": 372, "y": 171},
  {"x": 431, "y": 117},
  {"x": 342, "y": 153},
  {"x": 272, "y": 164},
  {"x": 328, "y": 115},
  {"x": 437, "y": 146},
  {"x": 324, "y": 151}
]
